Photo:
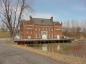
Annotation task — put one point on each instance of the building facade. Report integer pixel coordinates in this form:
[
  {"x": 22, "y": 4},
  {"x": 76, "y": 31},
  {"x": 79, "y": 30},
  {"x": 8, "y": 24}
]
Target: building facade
[{"x": 39, "y": 28}]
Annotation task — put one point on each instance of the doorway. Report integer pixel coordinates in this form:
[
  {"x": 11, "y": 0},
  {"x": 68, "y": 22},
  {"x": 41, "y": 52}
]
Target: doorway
[{"x": 44, "y": 34}]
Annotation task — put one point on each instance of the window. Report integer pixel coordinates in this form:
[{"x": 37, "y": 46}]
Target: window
[
  {"x": 35, "y": 29},
  {"x": 58, "y": 29},
  {"x": 58, "y": 36},
  {"x": 29, "y": 37},
  {"x": 36, "y": 36},
  {"x": 29, "y": 28},
  {"x": 51, "y": 29}
]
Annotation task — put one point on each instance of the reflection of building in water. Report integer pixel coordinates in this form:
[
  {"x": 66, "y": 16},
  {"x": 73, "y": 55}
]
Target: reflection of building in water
[{"x": 39, "y": 28}]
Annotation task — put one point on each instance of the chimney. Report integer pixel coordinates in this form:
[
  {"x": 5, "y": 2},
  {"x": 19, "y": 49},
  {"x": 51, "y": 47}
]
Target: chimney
[
  {"x": 61, "y": 23},
  {"x": 51, "y": 19},
  {"x": 30, "y": 17}
]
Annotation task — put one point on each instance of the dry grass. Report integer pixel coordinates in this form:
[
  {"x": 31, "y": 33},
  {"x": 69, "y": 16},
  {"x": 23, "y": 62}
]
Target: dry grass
[
  {"x": 56, "y": 56},
  {"x": 4, "y": 35}
]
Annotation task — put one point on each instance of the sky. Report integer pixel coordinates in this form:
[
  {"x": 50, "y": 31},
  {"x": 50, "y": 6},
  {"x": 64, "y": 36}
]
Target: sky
[{"x": 62, "y": 10}]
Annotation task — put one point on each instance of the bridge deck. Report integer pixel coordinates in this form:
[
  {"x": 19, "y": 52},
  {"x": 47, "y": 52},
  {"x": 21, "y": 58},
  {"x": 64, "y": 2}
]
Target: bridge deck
[{"x": 38, "y": 41}]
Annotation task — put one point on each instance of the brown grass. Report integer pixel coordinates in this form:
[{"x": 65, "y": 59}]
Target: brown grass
[
  {"x": 4, "y": 35},
  {"x": 56, "y": 56}
]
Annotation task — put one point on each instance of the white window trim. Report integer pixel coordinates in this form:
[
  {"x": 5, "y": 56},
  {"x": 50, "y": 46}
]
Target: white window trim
[
  {"x": 29, "y": 37},
  {"x": 58, "y": 29}
]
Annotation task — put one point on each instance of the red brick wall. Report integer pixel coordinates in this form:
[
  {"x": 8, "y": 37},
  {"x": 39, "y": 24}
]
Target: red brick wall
[{"x": 30, "y": 29}]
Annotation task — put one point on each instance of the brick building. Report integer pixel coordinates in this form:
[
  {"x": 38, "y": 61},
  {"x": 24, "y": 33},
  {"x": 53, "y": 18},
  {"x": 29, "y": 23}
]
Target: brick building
[{"x": 39, "y": 28}]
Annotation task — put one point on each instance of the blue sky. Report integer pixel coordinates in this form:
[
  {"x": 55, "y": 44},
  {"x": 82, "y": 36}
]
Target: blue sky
[{"x": 60, "y": 9}]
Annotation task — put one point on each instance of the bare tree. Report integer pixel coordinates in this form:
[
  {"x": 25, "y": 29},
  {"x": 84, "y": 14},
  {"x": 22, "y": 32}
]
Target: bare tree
[
  {"x": 11, "y": 13},
  {"x": 3, "y": 28}
]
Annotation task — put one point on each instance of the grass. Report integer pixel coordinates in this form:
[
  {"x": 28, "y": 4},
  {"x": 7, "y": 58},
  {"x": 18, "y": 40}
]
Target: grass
[
  {"x": 4, "y": 35},
  {"x": 66, "y": 47},
  {"x": 56, "y": 56}
]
